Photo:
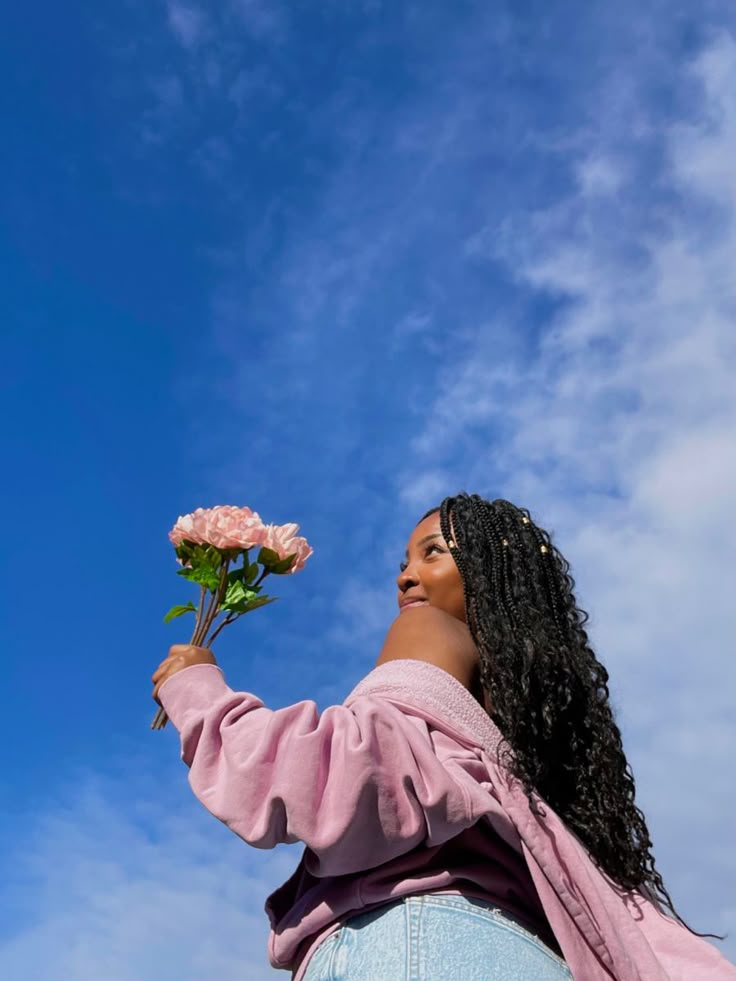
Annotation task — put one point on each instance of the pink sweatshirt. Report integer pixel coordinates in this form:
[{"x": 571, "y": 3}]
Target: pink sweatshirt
[{"x": 407, "y": 763}]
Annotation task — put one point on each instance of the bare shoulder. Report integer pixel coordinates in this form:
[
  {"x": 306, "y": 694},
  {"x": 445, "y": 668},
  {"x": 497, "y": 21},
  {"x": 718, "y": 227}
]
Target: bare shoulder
[{"x": 424, "y": 633}]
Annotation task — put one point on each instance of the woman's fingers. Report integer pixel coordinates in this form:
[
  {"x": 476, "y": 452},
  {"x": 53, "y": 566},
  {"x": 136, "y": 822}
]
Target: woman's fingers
[
  {"x": 180, "y": 656},
  {"x": 162, "y": 669},
  {"x": 183, "y": 653},
  {"x": 156, "y": 687}
]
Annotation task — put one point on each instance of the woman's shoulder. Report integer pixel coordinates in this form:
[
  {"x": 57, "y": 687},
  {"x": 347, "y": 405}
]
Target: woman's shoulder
[{"x": 426, "y": 633}]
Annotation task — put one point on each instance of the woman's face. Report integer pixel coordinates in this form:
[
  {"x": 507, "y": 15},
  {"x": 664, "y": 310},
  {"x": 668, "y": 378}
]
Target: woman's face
[{"x": 429, "y": 574}]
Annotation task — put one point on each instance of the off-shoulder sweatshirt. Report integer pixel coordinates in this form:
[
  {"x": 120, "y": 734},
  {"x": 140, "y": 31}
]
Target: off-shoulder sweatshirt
[{"x": 410, "y": 762}]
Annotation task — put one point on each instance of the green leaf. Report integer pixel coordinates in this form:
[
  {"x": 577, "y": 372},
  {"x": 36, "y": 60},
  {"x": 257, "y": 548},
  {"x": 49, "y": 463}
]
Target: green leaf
[
  {"x": 259, "y": 601},
  {"x": 251, "y": 574},
  {"x": 177, "y": 611},
  {"x": 248, "y": 604},
  {"x": 205, "y": 575},
  {"x": 236, "y": 592},
  {"x": 234, "y": 607},
  {"x": 198, "y": 554},
  {"x": 267, "y": 557},
  {"x": 284, "y": 564},
  {"x": 238, "y": 600}
]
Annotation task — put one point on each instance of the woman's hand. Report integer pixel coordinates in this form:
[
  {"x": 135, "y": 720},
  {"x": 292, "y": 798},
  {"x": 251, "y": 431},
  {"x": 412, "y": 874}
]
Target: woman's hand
[{"x": 180, "y": 656}]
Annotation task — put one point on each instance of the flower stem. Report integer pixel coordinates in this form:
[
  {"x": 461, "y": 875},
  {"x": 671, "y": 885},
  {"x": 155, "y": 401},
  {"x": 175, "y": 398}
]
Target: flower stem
[
  {"x": 201, "y": 627},
  {"x": 160, "y": 718},
  {"x": 200, "y": 611},
  {"x": 228, "y": 619},
  {"x": 201, "y": 631},
  {"x": 204, "y": 622},
  {"x": 213, "y": 609}
]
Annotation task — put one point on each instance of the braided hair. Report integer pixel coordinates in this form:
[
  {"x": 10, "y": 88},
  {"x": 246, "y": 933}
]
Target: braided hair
[{"x": 548, "y": 692}]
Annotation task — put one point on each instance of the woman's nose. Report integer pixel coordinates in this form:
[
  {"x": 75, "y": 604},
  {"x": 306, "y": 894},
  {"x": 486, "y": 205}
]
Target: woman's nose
[{"x": 406, "y": 578}]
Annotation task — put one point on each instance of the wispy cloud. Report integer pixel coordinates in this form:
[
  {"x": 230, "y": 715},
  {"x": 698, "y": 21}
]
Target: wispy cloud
[
  {"x": 618, "y": 429},
  {"x": 127, "y": 886},
  {"x": 188, "y": 23}
]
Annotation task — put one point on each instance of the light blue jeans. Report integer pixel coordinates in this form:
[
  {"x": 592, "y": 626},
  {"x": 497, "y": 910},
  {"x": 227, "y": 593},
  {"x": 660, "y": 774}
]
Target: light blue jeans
[{"x": 434, "y": 938}]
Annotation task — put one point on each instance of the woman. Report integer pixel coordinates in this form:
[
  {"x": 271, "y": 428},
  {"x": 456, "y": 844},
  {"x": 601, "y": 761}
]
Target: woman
[{"x": 468, "y": 813}]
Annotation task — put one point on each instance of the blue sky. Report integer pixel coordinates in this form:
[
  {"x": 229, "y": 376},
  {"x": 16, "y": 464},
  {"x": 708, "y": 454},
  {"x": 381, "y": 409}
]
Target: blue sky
[{"x": 334, "y": 262}]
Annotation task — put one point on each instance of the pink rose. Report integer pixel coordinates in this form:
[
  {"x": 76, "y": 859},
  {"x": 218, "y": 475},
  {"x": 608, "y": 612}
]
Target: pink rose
[
  {"x": 188, "y": 528},
  {"x": 231, "y": 527},
  {"x": 224, "y": 527},
  {"x": 282, "y": 539}
]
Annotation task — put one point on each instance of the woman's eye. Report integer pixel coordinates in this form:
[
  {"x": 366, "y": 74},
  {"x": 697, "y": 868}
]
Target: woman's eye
[{"x": 427, "y": 551}]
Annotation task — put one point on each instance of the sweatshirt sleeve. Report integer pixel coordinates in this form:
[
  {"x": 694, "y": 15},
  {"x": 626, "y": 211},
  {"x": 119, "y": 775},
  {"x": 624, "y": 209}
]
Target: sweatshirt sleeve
[{"x": 357, "y": 785}]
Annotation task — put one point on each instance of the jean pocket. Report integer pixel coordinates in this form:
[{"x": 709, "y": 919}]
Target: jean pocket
[{"x": 515, "y": 927}]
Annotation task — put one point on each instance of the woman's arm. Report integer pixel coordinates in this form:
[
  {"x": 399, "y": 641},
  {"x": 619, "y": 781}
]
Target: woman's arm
[{"x": 357, "y": 785}]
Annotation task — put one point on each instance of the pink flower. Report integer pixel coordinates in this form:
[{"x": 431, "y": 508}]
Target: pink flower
[
  {"x": 282, "y": 539},
  {"x": 224, "y": 527}
]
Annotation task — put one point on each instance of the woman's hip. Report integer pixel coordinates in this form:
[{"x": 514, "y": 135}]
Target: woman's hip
[{"x": 434, "y": 937}]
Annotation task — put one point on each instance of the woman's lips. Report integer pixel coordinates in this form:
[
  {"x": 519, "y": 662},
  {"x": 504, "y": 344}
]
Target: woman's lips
[{"x": 408, "y": 606}]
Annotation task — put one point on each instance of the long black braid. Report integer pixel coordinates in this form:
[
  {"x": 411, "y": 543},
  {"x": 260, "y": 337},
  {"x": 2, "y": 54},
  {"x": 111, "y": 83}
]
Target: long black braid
[{"x": 548, "y": 692}]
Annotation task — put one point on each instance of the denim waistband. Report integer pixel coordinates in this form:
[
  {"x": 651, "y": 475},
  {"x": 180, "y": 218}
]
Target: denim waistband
[{"x": 426, "y": 942}]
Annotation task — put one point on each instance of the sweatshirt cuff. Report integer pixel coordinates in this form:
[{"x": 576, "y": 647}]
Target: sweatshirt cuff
[{"x": 192, "y": 691}]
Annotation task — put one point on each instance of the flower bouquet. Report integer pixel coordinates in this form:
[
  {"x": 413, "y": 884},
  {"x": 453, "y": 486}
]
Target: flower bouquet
[{"x": 213, "y": 547}]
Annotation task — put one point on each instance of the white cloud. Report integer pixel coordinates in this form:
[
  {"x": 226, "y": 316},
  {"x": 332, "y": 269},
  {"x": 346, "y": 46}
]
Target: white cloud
[
  {"x": 599, "y": 175},
  {"x": 136, "y": 885},
  {"x": 704, "y": 151},
  {"x": 364, "y": 611},
  {"x": 187, "y": 22},
  {"x": 620, "y": 433},
  {"x": 425, "y": 489},
  {"x": 414, "y": 322}
]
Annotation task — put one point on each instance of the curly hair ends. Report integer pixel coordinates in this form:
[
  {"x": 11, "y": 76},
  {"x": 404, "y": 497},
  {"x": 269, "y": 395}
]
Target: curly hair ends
[{"x": 548, "y": 692}]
